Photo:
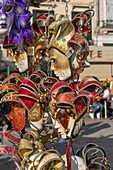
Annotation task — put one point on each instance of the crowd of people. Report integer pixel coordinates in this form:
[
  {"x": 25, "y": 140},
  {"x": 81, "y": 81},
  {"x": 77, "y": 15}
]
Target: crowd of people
[{"x": 98, "y": 106}]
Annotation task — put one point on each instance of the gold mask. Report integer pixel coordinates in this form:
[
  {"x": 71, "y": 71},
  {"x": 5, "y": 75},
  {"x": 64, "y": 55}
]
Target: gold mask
[
  {"x": 59, "y": 64},
  {"x": 36, "y": 113}
]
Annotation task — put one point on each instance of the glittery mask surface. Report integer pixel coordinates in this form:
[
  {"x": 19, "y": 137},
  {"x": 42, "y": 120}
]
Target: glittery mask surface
[{"x": 6, "y": 16}]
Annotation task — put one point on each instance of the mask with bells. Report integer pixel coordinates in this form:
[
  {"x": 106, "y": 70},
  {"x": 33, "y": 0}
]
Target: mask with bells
[
  {"x": 33, "y": 94},
  {"x": 68, "y": 48},
  {"x": 69, "y": 106},
  {"x": 61, "y": 29},
  {"x": 17, "y": 114},
  {"x": 34, "y": 102},
  {"x": 63, "y": 112}
]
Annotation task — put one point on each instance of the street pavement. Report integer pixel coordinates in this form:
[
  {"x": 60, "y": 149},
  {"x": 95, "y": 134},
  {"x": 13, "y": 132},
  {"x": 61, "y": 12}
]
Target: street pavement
[{"x": 95, "y": 131}]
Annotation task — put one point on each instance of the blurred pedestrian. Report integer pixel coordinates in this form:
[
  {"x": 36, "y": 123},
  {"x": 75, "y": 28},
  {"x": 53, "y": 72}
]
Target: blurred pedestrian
[
  {"x": 97, "y": 105},
  {"x": 111, "y": 88},
  {"x": 106, "y": 93}
]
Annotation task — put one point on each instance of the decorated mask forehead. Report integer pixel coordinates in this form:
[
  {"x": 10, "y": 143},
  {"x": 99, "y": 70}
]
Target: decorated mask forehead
[
  {"x": 64, "y": 117},
  {"x": 59, "y": 64},
  {"x": 62, "y": 113},
  {"x": 36, "y": 113},
  {"x": 38, "y": 116},
  {"x": 6, "y": 16}
]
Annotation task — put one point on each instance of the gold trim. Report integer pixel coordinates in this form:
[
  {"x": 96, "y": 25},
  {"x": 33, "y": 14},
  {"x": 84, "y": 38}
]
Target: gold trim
[{"x": 57, "y": 46}]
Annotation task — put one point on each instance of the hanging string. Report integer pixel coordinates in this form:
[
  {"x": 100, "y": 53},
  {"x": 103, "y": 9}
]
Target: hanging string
[
  {"x": 48, "y": 7},
  {"x": 48, "y": 61},
  {"x": 66, "y": 8}
]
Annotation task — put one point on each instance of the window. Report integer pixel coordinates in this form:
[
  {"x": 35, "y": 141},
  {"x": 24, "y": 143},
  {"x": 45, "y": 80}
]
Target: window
[{"x": 108, "y": 44}]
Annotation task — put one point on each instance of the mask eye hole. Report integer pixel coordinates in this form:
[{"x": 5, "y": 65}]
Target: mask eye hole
[
  {"x": 61, "y": 118},
  {"x": 8, "y": 8},
  {"x": 52, "y": 60}
]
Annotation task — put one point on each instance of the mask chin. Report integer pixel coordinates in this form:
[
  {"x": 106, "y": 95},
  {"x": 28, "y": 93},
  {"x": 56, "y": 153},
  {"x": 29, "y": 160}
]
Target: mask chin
[
  {"x": 77, "y": 127},
  {"x": 63, "y": 75},
  {"x": 36, "y": 125},
  {"x": 23, "y": 69}
]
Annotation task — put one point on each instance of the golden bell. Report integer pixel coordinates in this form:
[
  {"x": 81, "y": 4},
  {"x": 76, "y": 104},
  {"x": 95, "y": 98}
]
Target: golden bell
[
  {"x": 38, "y": 104},
  {"x": 53, "y": 105},
  {"x": 47, "y": 37},
  {"x": 91, "y": 110},
  {"x": 98, "y": 99},
  {"x": 45, "y": 95},
  {"x": 54, "y": 29},
  {"x": 101, "y": 95},
  {"x": 1, "y": 101},
  {"x": 68, "y": 110},
  {"x": 36, "y": 146},
  {"x": 105, "y": 163},
  {"x": 50, "y": 140},
  {"x": 28, "y": 161},
  {"x": 53, "y": 32},
  {"x": 52, "y": 147},
  {"x": 43, "y": 37},
  {"x": 41, "y": 99}
]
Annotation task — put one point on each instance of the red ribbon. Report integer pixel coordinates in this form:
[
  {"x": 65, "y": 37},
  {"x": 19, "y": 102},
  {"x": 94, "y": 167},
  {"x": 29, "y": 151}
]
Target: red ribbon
[
  {"x": 12, "y": 138},
  {"x": 68, "y": 153}
]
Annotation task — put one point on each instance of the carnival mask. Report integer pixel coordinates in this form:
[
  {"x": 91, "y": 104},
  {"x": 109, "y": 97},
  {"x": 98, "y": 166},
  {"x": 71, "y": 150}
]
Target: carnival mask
[
  {"x": 17, "y": 116},
  {"x": 37, "y": 117},
  {"x": 6, "y": 16},
  {"x": 21, "y": 61},
  {"x": 62, "y": 113},
  {"x": 59, "y": 64},
  {"x": 63, "y": 123},
  {"x": 67, "y": 109}
]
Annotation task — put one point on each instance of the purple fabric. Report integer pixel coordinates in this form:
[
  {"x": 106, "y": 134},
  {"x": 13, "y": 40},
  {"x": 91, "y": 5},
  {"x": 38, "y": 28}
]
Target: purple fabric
[{"x": 21, "y": 28}]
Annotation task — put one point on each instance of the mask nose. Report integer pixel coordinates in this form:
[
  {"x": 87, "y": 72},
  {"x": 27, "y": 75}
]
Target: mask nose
[
  {"x": 14, "y": 59},
  {"x": 52, "y": 68},
  {"x": 2, "y": 17},
  {"x": 57, "y": 125},
  {"x": 86, "y": 64}
]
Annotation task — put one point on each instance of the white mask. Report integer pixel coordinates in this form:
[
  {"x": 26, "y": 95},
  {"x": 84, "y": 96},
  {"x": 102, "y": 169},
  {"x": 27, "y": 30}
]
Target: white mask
[
  {"x": 21, "y": 62},
  {"x": 6, "y": 16}
]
